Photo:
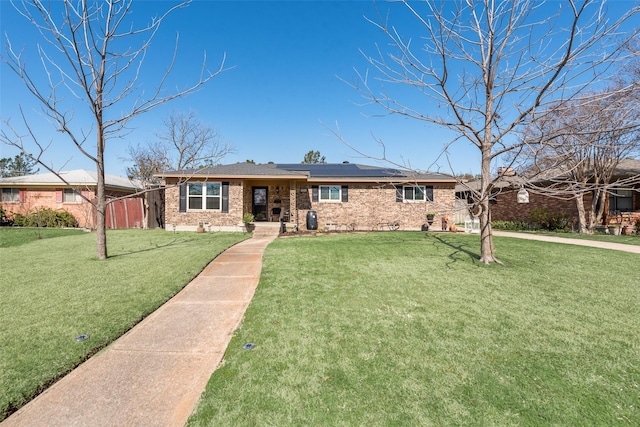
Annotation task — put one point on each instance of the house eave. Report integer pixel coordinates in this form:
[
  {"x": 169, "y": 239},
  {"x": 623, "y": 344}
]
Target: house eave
[
  {"x": 199, "y": 177},
  {"x": 389, "y": 180}
]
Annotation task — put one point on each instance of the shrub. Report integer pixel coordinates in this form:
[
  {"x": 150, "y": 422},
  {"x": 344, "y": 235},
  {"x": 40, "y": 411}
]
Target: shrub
[
  {"x": 45, "y": 217},
  {"x": 248, "y": 217},
  {"x": 510, "y": 225},
  {"x": 547, "y": 220},
  {"x": 4, "y": 218}
]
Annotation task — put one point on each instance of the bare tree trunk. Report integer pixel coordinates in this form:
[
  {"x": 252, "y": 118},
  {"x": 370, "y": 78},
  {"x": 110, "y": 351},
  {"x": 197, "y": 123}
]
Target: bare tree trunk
[
  {"x": 583, "y": 227},
  {"x": 101, "y": 206},
  {"x": 487, "y": 250}
]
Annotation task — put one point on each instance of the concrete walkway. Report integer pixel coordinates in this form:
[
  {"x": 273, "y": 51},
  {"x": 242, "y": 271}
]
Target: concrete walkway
[
  {"x": 155, "y": 373},
  {"x": 569, "y": 241}
]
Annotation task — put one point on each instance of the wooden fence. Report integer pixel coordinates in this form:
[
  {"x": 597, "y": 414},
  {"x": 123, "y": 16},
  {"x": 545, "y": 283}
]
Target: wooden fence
[{"x": 125, "y": 213}]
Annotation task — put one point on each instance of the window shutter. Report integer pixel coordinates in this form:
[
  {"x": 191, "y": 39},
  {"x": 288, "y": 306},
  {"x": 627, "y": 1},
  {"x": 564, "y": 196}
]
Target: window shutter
[
  {"x": 183, "y": 197},
  {"x": 429, "y": 193},
  {"x": 345, "y": 193},
  {"x": 399, "y": 195},
  {"x": 58, "y": 195},
  {"x": 225, "y": 197},
  {"x": 23, "y": 195},
  {"x": 314, "y": 193}
]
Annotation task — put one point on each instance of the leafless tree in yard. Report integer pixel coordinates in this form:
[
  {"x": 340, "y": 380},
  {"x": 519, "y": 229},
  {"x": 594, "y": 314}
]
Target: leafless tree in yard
[
  {"x": 582, "y": 143},
  {"x": 485, "y": 68},
  {"x": 184, "y": 143},
  {"x": 92, "y": 57},
  {"x": 188, "y": 143}
]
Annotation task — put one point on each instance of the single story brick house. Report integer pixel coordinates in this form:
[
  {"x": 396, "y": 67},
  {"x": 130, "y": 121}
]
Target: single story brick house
[
  {"x": 343, "y": 196},
  {"x": 622, "y": 201},
  {"x": 22, "y": 194}
]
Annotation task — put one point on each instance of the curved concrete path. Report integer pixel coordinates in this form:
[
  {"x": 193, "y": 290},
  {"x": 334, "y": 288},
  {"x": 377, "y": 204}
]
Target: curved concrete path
[
  {"x": 155, "y": 373},
  {"x": 569, "y": 241}
]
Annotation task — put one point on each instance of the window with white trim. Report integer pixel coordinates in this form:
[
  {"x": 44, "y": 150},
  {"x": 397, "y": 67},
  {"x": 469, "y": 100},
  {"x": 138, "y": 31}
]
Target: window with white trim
[
  {"x": 330, "y": 193},
  {"x": 69, "y": 195},
  {"x": 204, "y": 196},
  {"x": 11, "y": 195},
  {"x": 414, "y": 193},
  {"x": 621, "y": 199}
]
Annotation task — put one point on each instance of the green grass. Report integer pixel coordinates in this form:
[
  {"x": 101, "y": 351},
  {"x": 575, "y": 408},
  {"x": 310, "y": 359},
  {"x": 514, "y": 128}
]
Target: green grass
[
  {"x": 409, "y": 329},
  {"x": 54, "y": 289},
  {"x": 16, "y": 236}
]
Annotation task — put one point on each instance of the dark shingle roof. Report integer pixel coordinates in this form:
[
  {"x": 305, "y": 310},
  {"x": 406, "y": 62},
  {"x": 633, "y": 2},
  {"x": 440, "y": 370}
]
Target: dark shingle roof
[
  {"x": 237, "y": 169},
  {"x": 350, "y": 171}
]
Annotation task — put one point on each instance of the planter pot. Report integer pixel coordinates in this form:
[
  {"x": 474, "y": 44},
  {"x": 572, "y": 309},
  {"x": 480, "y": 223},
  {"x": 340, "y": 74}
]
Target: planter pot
[
  {"x": 200, "y": 230},
  {"x": 628, "y": 229},
  {"x": 614, "y": 230},
  {"x": 430, "y": 220},
  {"x": 425, "y": 227}
]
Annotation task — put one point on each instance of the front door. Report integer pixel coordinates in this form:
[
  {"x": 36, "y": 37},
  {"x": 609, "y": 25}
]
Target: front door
[{"x": 260, "y": 203}]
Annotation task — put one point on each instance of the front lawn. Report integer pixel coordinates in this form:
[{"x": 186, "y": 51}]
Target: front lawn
[
  {"x": 54, "y": 289},
  {"x": 16, "y": 236},
  {"x": 409, "y": 329}
]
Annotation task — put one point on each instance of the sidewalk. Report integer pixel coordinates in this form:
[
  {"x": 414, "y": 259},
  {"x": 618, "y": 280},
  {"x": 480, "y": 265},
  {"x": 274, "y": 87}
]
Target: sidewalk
[
  {"x": 569, "y": 241},
  {"x": 155, "y": 373}
]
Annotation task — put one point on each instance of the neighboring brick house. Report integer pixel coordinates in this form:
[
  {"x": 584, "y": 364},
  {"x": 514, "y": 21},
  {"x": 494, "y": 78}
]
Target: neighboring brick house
[
  {"x": 343, "y": 196},
  {"x": 22, "y": 194},
  {"x": 622, "y": 203}
]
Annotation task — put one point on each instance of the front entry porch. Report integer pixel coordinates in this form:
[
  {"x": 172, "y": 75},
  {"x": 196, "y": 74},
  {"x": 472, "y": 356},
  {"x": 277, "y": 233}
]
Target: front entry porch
[{"x": 269, "y": 201}]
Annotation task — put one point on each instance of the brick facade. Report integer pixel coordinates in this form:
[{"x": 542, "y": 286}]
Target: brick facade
[
  {"x": 50, "y": 198},
  {"x": 372, "y": 207},
  {"x": 369, "y": 206},
  {"x": 507, "y": 208},
  {"x": 212, "y": 220},
  {"x": 34, "y": 198}
]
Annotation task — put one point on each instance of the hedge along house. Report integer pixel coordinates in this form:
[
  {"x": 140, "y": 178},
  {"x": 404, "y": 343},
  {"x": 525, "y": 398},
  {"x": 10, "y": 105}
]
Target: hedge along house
[
  {"x": 343, "y": 196},
  {"x": 24, "y": 194}
]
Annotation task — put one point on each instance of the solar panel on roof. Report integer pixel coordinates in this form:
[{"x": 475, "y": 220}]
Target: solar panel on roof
[{"x": 341, "y": 170}]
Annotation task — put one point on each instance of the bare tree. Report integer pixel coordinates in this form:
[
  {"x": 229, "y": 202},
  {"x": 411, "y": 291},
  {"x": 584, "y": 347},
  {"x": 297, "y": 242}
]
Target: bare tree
[
  {"x": 92, "y": 53},
  {"x": 487, "y": 67},
  {"x": 185, "y": 143},
  {"x": 147, "y": 161},
  {"x": 583, "y": 143},
  {"x": 188, "y": 143}
]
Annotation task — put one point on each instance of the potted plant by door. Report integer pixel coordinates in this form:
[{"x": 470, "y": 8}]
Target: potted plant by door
[
  {"x": 614, "y": 229},
  {"x": 247, "y": 220},
  {"x": 430, "y": 216}
]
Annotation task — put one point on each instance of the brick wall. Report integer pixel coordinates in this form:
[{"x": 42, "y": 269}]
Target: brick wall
[
  {"x": 35, "y": 198},
  {"x": 507, "y": 208},
  {"x": 370, "y": 206},
  {"x": 38, "y": 198},
  {"x": 216, "y": 219}
]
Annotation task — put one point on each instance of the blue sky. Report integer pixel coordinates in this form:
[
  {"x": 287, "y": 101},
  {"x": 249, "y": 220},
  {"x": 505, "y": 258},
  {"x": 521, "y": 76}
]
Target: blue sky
[{"x": 279, "y": 99}]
